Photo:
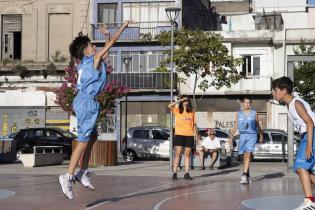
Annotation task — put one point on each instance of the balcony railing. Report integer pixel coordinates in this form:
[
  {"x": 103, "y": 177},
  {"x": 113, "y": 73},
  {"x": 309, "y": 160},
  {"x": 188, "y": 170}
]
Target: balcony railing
[
  {"x": 152, "y": 81},
  {"x": 145, "y": 31}
]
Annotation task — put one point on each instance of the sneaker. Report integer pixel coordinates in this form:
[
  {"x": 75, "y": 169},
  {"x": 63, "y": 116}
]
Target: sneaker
[
  {"x": 211, "y": 168},
  {"x": 244, "y": 180},
  {"x": 306, "y": 205},
  {"x": 174, "y": 177},
  {"x": 84, "y": 179},
  {"x": 187, "y": 176},
  {"x": 66, "y": 185},
  {"x": 202, "y": 168}
]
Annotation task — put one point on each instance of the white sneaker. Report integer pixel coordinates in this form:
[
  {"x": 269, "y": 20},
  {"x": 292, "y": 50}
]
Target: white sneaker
[
  {"x": 306, "y": 205},
  {"x": 84, "y": 179},
  {"x": 66, "y": 185},
  {"x": 244, "y": 180}
]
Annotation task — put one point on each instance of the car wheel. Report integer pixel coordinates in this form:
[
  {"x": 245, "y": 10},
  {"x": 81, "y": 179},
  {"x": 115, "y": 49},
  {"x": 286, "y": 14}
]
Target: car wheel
[
  {"x": 129, "y": 156},
  {"x": 18, "y": 155}
]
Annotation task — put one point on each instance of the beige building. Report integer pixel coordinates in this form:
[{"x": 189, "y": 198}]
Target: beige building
[{"x": 33, "y": 30}]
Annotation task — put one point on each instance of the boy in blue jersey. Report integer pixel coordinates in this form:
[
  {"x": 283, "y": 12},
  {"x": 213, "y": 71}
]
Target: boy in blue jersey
[
  {"x": 91, "y": 81},
  {"x": 248, "y": 126},
  {"x": 303, "y": 118}
]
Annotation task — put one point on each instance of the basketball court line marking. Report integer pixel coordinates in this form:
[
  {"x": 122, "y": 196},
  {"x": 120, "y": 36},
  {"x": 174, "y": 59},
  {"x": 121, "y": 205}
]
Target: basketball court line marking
[
  {"x": 6, "y": 194},
  {"x": 127, "y": 195}
]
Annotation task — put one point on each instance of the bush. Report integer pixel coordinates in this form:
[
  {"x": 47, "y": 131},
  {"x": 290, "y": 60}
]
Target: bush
[{"x": 22, "y": 71}]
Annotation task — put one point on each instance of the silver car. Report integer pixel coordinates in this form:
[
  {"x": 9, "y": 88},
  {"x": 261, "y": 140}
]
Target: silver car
[
  {"x": 147, "y": 142},
  {"x": 274, "y": 145}
]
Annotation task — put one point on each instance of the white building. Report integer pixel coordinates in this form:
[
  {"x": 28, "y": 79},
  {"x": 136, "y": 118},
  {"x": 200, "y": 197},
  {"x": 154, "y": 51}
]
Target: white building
[{"x": 262, "y": 33}]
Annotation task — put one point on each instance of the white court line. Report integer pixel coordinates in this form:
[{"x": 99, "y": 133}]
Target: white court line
[
  {"x": 123, "y": 196},
  {"x": 157, "y": 206}
]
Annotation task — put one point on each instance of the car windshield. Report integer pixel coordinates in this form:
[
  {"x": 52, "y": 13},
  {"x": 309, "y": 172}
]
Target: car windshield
[{"x": 67, "y": 134}]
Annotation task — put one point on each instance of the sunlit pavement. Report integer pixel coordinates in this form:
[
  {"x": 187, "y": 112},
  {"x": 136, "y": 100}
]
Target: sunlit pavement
[{"x": 147, "y": 185}]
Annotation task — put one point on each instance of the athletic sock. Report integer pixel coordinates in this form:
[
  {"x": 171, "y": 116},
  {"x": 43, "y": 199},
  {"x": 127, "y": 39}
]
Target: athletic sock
[
  {"x": 311, "y": 198},
  {"x": 69, "y": 176}
]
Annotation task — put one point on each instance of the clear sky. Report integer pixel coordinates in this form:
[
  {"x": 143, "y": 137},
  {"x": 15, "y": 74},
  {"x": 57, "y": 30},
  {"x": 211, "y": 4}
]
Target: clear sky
[{"x": 311, "y": 2}]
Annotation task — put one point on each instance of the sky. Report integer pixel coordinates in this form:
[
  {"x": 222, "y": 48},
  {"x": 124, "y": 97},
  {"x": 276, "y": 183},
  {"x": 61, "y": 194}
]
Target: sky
[{"x": 311, "y": 2}]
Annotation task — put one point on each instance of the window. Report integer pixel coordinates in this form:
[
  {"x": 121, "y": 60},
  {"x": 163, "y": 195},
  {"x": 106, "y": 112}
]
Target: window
[
  {"x": 159, "y": 134},
  {"x": 221, "y": 134},
  {"x": 141, "y": 134},
  {"x": 250, "y": 65},
  {"x": 107, "y": 13},
  {"x": 112, "y": 58},
  {"x": 144, "y": 61},
  {"x": 278, "y": 137},
  {"x": 266, "y": 137},
  {"x": 50, "y": 133},
  {"x": 33, "y": 133}
]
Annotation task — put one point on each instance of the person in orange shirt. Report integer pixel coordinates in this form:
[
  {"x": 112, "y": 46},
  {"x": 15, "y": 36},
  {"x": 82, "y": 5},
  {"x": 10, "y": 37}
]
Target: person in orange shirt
[{"x": 185, "y": 130}]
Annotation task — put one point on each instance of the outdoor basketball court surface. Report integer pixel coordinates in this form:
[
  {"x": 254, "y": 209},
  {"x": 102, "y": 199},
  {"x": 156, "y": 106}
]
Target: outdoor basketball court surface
[{"x": 147, "y": 186}]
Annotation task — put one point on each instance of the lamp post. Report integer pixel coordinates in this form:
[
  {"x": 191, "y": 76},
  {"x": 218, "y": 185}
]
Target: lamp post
[
  {"x": 126, "y": 61},
  {"x": 172, "y": 14}
]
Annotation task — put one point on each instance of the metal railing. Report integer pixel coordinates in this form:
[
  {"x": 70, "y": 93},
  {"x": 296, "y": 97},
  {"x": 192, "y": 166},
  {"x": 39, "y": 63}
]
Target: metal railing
[
  {"x": 154, "y": 80},
  {"x": 137, "y": 31}
]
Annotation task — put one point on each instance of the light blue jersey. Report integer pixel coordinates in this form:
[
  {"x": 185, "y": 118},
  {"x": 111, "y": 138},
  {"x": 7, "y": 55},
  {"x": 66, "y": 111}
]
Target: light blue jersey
[
  {"x": 90, "y": 83},
  {"x": 247, "y": 122},
  {"x": 248, "y": 131}
]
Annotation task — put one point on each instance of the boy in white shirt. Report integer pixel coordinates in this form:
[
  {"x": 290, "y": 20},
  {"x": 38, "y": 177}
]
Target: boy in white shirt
[
  {"x": 303, "y": 117},
  {"x": 211, "y": 145}
]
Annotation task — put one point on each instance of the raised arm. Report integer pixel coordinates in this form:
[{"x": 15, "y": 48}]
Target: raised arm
[
  {"x": 172, "y": 105},
  {"x": 111, "y": 42},
  {"x": 103, "y": 28}
]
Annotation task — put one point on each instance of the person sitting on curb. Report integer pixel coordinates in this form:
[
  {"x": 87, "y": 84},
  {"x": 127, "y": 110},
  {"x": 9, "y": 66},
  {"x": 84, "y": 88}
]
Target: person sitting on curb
[{"x": 211, "y": 145}]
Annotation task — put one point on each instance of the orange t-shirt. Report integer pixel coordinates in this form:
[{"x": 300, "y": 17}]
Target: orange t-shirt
[{"x": 184, "y": 122}]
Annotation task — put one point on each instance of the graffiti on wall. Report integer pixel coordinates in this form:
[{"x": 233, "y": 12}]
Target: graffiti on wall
[
  {"x": 224, "y": 120},
  {"x": 12, "y": 120}
]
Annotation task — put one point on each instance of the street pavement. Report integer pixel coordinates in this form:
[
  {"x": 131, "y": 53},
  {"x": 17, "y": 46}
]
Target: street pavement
[{"x": 146, "y": 185}]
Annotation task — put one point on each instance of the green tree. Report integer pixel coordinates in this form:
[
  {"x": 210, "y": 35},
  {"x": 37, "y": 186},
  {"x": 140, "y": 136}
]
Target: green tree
[
  {"x": 201, "y": 54},
  {"x": 304, "y": 74}
]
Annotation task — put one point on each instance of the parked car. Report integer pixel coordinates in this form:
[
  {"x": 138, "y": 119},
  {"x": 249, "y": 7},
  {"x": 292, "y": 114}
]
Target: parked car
[
  {"x": 147, "y": 142},
  {"x": 9, "y": 137},
  {"x": 27, "y": 138},
  {"x": 220, "y": 134},
  {"x": 274, "y": 145}
]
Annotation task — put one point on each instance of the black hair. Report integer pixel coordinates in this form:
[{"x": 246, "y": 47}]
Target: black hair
[
  {"x": 283, "y": 83},
  {"x": 78, "y": 45},
  {"x": 246, "y": 97},
  {"x": 181, "y": 106}
]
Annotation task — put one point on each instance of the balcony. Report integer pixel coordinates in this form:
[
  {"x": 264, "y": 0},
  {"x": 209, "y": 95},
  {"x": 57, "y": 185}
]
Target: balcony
[
  {"x": 141, "y": 31},
  {"x": 251, "y": 85},
  {"x": 158, "y": 81}
]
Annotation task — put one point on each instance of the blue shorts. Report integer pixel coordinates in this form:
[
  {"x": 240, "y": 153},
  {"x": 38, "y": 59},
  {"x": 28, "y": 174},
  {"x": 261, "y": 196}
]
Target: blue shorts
[
  {"x": 300, "y": 160},
  {"x": 86, "y": 110},
  {"x": 247, "y": 143}
]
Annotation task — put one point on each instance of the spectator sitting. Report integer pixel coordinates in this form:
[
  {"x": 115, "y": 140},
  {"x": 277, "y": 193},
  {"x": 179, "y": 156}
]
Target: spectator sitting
[{"x": 211, "y": 145}]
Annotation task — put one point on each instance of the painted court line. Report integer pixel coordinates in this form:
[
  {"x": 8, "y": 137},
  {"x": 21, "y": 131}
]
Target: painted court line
[{"x": 123, "y": 196}]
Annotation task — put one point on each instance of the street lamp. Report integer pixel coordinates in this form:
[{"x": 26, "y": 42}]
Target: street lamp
[
  {"x": 172, "y": 14},
  {"x": 126, "y": 61}
]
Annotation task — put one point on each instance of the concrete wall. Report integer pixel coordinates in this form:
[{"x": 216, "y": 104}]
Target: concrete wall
[
  {"x": 39, "y": 24},
  {"x": 279, "y": 5}
]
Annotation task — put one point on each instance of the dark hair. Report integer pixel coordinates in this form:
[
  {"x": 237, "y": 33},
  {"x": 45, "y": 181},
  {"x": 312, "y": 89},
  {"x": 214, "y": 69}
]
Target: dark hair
[
  {"x": 181, "y": 105},
  {"x": 78, "y": 45},
  {"x": 246, "y": 97},
  {"x": 283, "y": 83}
]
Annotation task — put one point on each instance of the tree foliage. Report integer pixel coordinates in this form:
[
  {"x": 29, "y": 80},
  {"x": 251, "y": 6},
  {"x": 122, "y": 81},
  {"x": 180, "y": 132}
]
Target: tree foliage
[
  {"x": 304, "y": 74},
  {"x": 202, "y": 55}
]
